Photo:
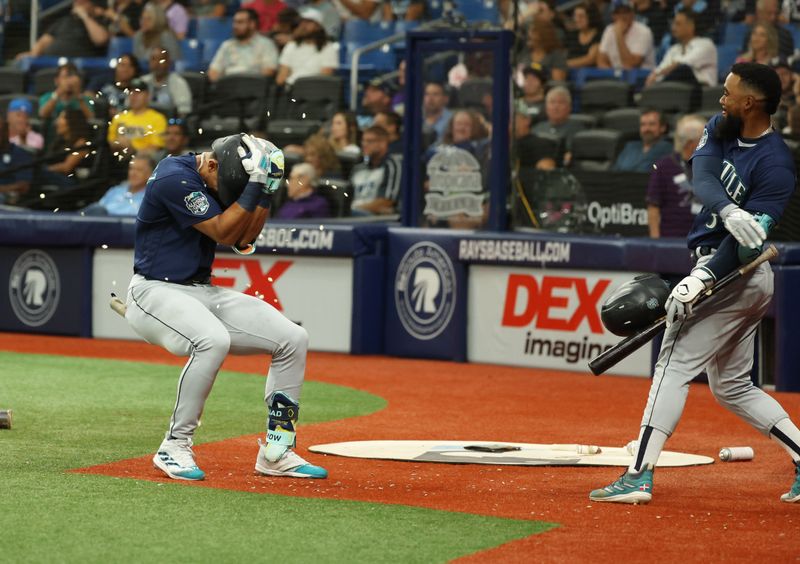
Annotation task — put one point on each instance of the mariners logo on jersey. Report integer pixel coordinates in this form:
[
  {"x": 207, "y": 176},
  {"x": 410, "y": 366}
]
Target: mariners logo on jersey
[{"x": 197, "y": 203}]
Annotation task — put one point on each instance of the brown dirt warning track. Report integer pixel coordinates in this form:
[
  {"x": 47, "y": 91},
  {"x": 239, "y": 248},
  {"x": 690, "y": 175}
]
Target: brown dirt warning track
[{"x": 720, "y": 512}]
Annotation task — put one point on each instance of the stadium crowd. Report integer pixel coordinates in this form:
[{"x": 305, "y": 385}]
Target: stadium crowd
[{"x": 109, "y": 89}]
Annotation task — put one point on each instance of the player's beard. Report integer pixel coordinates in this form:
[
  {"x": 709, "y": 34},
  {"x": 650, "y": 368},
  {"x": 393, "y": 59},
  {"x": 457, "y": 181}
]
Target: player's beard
[{"x": 729, "y": 127}]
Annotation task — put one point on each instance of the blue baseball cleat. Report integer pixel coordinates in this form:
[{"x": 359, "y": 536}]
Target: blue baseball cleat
[
  {"x": 629, "y": 488},
  {"x": 175, "y": 458}
]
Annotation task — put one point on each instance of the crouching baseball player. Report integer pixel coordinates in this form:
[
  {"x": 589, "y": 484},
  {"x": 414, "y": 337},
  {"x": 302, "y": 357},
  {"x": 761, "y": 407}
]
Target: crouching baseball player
[
  {"x": 744, "y": 174},
  {"x": 191, "y": 204}
]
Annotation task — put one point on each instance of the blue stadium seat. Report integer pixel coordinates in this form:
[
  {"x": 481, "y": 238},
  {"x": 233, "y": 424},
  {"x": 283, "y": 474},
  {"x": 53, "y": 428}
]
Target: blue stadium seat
[
  {"x": 32, "y": 64},
  {"x": 378, "y": 60},
  {"x": 726, "y": 56},
  {"x": 92, "y": 64},
  {"x": 118, "y": 46},
  {"x": 191, "y": 55},
  {"x": 735, "y": 33},
  {"x": 214, "y": 28},
  {"x": 795, "y": 29},
  {"x": 479, "y": 10},
  {"x": 191, "y": 30},
  {"x": 435, "y": 9},
  {"x": 582, "y": 75},
  {"x": 210, "y": 47},
  {"x": 363, "y": 32}
]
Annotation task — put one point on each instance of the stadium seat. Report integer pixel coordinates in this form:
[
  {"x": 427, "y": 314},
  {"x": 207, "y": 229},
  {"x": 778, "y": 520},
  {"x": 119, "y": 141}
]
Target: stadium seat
[
  {"x": 670, "y": 97},
  {"x": 214, "y": 28},
  {"x": 726, "y": 56},
  {"x": 118, "y": 46},
  {"x": 198, "y": 84},
  {"x": 383, "y": 59},
  {"x": 362, "y": 32},
  {"x": 599, "y": 96},
  {"x": 582, "y": 75},
  {"x": 43, "y": 81},
  {"x": 472, "y": 92},
  {"x": 734, "y": 34},
  {"x": 32, "y": 64},
  {"x": 588, "y": 121},
  {"x": 237, "y": 103},
  {"x": 595, "y": 149},
  {"x": 315, "y": 97},
  {"x": 12, "y": 80},
  {"x": 534, "y": 147},
  {"x": 348, "y": 160},
  {"x": 289, "y": 131},
  {"x": 479, "y": 10},
  {"x": 191, "y": 55},
  {"x": 339, "y": 194},
  {"x": 210, "y": 47},
  {"x": 709, "y": 100}
]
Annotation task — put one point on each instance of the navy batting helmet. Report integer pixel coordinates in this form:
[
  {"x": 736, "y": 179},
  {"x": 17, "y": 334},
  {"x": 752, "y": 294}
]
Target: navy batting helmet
[
  {"x": 231, "y": 176},
  {"x": 635, "y": 305}
]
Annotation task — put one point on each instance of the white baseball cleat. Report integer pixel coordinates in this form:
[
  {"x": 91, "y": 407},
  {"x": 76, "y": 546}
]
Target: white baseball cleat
[
  {"x": 176, "y": 459},
  {"x": 290, "y": 465}
]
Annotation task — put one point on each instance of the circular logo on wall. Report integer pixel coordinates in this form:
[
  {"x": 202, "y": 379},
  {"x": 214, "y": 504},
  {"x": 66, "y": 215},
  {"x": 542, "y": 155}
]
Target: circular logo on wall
[
  {"x": 425, "y": 290},
  {"x": 34, "y": 288}
]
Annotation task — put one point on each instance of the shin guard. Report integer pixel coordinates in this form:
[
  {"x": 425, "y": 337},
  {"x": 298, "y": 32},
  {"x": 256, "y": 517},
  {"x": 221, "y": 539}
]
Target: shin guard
[{"x": 281, "y": 423}]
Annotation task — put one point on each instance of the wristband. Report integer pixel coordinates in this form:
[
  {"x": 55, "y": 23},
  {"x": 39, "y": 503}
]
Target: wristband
[
  {"x": 265, "y": 201},
  {"x": 251, "y": 196}
]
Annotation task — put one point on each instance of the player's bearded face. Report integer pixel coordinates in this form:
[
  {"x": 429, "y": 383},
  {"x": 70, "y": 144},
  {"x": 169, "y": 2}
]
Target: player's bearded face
[{"x": 730, "y": 126}]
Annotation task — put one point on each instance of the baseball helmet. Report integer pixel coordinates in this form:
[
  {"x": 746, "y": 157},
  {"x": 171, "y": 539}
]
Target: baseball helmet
[
  {"x": 635, "y": 305},
  {"x": 231, "y": 176}
]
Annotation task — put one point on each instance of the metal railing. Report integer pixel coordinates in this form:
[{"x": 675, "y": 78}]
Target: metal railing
[{"x": 357, "y": 53}]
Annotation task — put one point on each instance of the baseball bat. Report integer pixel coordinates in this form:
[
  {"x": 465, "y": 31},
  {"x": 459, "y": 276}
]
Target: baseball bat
[
  {"x": 628, "y": 345},
  {"x": 117, "y": 305}
]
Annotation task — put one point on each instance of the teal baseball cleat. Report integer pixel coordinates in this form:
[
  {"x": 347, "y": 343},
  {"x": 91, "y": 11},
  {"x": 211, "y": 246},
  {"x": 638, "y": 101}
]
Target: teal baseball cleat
[
  {"x": 175, "y": 458},
  {"x": 629, "y": 488},
  {"x": 289, "y": 465},
  {"x": 793, "y": 495}
]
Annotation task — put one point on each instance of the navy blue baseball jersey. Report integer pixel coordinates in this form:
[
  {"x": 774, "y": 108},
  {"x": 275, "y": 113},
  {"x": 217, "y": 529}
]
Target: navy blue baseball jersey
[
  {"x": 167, "y": 246},
  {"x": 758, "y": 175}
]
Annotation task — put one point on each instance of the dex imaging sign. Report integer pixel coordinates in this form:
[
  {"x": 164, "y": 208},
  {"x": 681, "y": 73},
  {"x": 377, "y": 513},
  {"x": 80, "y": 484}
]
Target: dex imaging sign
[{"x": 543, "y": 318}]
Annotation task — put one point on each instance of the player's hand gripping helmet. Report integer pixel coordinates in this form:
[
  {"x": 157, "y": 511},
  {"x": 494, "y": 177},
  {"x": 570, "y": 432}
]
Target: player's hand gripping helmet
[
  {"x": 232, "y": 176},
  {"x": 635, "y": 305}
]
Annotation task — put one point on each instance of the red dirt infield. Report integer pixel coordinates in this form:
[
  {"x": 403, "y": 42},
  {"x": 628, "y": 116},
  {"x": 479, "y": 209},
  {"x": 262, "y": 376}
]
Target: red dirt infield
[{"x": 719, "y": 512}]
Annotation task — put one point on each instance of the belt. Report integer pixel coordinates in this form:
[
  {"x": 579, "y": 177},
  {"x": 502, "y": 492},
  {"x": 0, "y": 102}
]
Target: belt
[
  {"x": 702, "y": 251},
  {"x": 190, "y": 282}
]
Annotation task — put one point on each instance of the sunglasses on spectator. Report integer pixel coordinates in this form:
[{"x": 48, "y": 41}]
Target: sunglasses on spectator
[{"x": 174, "y": 121}]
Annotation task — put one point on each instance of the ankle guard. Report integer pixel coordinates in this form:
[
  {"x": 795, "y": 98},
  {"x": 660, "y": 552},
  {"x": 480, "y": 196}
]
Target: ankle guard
[{"x": 281, "y": 423}]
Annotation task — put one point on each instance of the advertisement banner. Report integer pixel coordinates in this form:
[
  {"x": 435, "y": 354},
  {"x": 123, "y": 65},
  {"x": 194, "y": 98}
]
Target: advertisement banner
[
  {"x": 543, "y": 318},
  {"x": 44, "y": 290},
  {"x": 314, "y": 292}
]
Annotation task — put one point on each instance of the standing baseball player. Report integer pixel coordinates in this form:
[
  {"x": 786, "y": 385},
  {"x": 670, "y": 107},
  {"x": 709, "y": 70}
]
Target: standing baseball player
[
  {"x": 193, "y": 203},
  {"x": 744, "y": 175}
]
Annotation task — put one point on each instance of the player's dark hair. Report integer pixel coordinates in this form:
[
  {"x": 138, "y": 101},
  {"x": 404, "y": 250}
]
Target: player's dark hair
[
  {"x": 377, "y": 130},
  {"x": 394, "y": 118},
  {"x": 689, "y": 15},
  {"x": 252, "y": 14},
  {"x": 662, "y": 119},
  {"x": 762, "y": 79}
]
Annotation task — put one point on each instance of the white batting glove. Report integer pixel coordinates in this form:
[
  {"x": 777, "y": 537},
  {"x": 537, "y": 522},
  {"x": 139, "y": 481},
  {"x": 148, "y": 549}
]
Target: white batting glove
[
  {"x": 255, "y": 160},
  {"x": 743, "y": 226},
  {"x": 685, "y": 294}
]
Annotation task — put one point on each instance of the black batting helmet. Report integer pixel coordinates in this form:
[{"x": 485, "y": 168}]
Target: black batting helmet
[
  {"x": 231, "y": 176},
  {"x": 635, "y": 305}
]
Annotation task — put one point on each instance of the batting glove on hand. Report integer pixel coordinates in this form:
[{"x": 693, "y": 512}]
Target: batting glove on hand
[
  {"x": 743, "y": 226},
  {"x": 685, "y": 294}
]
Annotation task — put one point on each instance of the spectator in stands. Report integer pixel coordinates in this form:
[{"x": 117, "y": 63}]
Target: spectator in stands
[
  {"x": 655, "y": 15},
  {"x": 309, "y": 53},
  {"x": 626, "y": 43},
  {"x": 283, "y": 30},
  {"x": 703, "y": 16},
  {"x": 669, "y": 192},
  {"x": 583, "y": 42},
  {"x": 125, "y": 198},
  {"x": 169, "y": 91},
  {"x": 358, "y": 9},
  {"x": 434, "y": 110},
  {"x": 792, "y": 129},
  {"x": 392, "y": 122},
  {"x": 176, "y": 139},
  {"x": 209, "y": 8},
  {"x": 532, "y": 100},
  {"x": 78, "y": 34},
  {"x": 763, "y": 46},
  {"x": 403, "y": 10},
  {"x": 247, "y": 52},
  {"x": 303, "y": 200},
  {"x": 319, "y": 153},
  {"x": 639, "y": 156},
  {"x": 691, "y": 59},
  {"x": 331, "y": 20},
  {"x": 154, "y": 32},
  {"x": 115, "y": 93},
  {"x": 399, "y": 98},
  {"x": 68, "y": 94},
  {"x": 377, "y": 98},
  {"x": 20, "y": 131},
  {"x": 344, "y": 133},
  {"x": 11, "y": 156},
  {"x": 177, "y": 17},
  {"x": 558, "y": 108},
  {"x": 768, "y": 12},
  {"x": 267, "y": 12},
  {"x": 124, "y": 17},
  {"x": 790, "y": 11},
  {"x": 532, "y": 150},
  {"x": 376, "y": 182},
  {"x": 139, "y": 128},
  {"x": 544, "y": 48},
  {"x": 70, "y": 146},
  {"x": 546, "y": 11},
  {"x": 788, "y": 79}
]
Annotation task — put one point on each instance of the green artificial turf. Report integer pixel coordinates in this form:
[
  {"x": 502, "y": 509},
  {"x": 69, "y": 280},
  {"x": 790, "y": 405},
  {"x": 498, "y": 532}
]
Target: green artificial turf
[{"x": 76, "y": 412}]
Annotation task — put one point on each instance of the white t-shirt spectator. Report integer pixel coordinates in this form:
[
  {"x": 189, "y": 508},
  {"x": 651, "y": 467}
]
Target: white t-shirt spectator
[
  {"x": 639, "y": 40},
  {"x": 305, "y": 60},
  {"x": 700, "y": 54},
  {"x": 251, "y": 57}
]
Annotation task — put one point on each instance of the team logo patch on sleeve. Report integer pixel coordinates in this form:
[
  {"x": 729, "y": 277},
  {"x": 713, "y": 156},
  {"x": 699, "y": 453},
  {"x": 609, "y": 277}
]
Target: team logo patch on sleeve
[
  {"x": 197, "y": 203},
  {"x": 703, "y": 139}
]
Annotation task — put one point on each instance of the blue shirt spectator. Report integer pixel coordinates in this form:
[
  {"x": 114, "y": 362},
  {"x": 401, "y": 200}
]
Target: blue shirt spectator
[
  {"x": 639, "y": 156},
  {"x": 126, "y": 198}
]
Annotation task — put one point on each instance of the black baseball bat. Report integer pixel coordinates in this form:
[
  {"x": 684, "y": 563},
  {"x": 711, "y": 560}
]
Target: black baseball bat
[{"x": 628, "y": 345}]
